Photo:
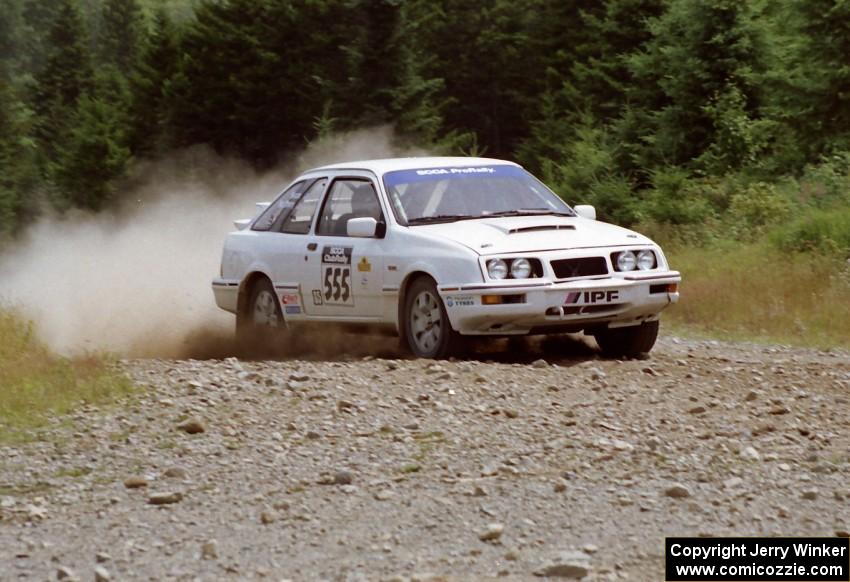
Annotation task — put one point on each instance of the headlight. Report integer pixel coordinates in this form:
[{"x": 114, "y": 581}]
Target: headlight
[
  {"x": 646, "y": 260},
  {"x": 626, "y": 261},
  {"x": 521, "y": 269},
  {"x": 497, "y": 269}
]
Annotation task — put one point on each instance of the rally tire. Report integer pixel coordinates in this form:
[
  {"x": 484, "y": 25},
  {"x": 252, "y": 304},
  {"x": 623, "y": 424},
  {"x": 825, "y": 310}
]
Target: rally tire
[
  {"x": 427, "y": 331},
  {"x": 628, "y": 342},
  {"x": 260, "y": 326}
]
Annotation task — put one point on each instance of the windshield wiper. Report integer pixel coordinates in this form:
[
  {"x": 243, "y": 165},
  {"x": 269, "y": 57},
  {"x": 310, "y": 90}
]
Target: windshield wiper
[
  {"x": 530, "y": 212},
  {"x": 441, "y": 218}
]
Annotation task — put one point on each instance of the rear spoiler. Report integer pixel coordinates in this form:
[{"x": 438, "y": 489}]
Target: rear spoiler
[{"x": 244, "y": 223}]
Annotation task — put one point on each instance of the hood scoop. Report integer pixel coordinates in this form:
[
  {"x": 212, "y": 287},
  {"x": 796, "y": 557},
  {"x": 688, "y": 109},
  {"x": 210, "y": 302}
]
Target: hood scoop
[{"x": 541, "y": 227}]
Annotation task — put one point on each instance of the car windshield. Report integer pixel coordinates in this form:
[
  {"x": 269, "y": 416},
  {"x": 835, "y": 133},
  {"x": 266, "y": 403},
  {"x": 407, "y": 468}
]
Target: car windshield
[{"x": 449, "y": 194}]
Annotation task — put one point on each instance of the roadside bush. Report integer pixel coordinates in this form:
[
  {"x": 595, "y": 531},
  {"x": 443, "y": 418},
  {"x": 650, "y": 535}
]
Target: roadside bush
[
  {"x": 827, "y": 184},
  {"x": 756, "y": 207},
  {"x": 817, "y": 231},
  {"x": 676, "y": 200}
]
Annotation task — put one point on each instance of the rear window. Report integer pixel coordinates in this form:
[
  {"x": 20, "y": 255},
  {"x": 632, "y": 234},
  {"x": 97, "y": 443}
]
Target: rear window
[{"x": 281, "y": 207}]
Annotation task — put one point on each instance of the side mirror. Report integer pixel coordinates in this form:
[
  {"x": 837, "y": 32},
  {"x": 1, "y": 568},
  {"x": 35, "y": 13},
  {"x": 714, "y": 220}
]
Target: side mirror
[
  {"x": 585, "y": 211},
  {"x": 365, "y": 227},
  {"x": 242, "y": 224}
]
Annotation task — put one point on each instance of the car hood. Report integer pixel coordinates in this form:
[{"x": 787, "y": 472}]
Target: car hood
[{"x": 524, "y": 234}]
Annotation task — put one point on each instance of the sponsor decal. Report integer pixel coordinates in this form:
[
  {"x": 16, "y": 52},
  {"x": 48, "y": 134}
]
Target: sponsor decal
[
  {"x": 317, "y": 297},
  {"x": 443, "y": 171},
  {"x": 293, "y": 310},
  {"x": 336, "y": 276},
  {"x": 364, "y": 266},
  {"x": 592, "y": 297},
  {"x": 334, "y": 255},
  {"x": 460, "y": 301},
  {"x": 289, "y": 299}
]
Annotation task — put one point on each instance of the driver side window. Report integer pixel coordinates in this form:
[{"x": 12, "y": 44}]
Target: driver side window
[{"x": 348, "y": 198}]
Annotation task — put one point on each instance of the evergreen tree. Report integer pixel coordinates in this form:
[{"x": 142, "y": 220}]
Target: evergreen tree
[
  {"x": 150, "y": 89},
  {"x": 120, "y": 32},
  {"x": 92, "y": 157},
  {"x": 601, "y": 75},
  {"x": 376, "y": 57},
  {"x": 588, "y": 81},
  {"x": 37, "y": 19},
  {"x": 817, "y": 90},
  {"x": 15, "y": 162},
  {"x": 11, "y": 24},
  {"x": 694, "y": 74},
  {"x": 66, "y": 76},
  {"x": 478, "y": 58}
]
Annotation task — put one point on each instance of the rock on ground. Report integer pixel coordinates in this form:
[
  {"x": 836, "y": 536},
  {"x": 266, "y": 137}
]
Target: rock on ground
[{"x": 354, "y": 469}]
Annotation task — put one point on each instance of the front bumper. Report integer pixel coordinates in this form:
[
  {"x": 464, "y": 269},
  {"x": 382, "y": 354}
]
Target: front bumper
[
  {"x": 542, "y": 307},
  {"x": 226, "y": 293}
]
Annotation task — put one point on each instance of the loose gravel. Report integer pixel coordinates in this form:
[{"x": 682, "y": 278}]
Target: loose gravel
[{"x": 536, "y": 462}]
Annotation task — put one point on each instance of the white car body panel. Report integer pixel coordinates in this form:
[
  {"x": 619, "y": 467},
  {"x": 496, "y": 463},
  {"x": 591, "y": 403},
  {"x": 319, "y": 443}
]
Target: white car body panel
[
  {"x": 520, "y": 234},
  {"x": 455, "y": 255}
]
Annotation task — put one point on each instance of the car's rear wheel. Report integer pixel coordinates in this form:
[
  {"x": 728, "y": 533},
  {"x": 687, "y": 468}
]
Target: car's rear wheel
[
  {"x": 628, "y": 342},
  {"x": 260, "y": 326},
  {"x": 427, "y": 330}
]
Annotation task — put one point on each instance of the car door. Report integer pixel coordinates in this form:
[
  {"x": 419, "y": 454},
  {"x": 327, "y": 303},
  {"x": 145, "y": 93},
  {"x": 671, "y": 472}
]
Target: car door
[
  {"x": 347, "y": 273},
  {"x": 288, "y": 252}
]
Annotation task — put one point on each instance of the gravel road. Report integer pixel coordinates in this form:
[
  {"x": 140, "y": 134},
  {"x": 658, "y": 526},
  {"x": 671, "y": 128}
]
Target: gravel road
[{"x": 519, "y": 467}]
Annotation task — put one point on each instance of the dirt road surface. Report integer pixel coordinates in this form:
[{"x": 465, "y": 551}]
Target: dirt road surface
[{"x": 531, "y": 461}]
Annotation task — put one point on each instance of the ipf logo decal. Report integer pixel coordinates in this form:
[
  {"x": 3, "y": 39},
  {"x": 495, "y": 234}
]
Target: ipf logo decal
[{"x": 591, "y": 297}]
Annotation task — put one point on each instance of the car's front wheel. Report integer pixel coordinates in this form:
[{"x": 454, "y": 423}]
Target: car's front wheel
[
  {"x": 260, "y": 325},
  {"x": 427, "y": 330},
  {"x": 628, "y": 342}
]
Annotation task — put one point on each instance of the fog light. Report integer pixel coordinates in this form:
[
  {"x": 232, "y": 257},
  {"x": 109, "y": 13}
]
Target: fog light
[{"x": 491, "y": 299}]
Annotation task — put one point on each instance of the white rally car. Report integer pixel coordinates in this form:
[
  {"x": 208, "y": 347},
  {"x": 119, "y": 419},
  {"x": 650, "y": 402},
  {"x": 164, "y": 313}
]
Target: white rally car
[{"x": 435, "y": 249}]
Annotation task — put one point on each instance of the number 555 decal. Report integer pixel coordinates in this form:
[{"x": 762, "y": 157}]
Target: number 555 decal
[{"x": 336, "y": 276}]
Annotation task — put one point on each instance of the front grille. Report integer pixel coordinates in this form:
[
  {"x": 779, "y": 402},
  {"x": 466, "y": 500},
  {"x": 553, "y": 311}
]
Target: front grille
[{"x": 584, "y": 267}]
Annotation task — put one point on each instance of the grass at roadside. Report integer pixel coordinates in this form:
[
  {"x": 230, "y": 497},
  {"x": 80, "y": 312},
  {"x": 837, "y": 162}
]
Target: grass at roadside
[
  {"x": 756, "y": 292},
  {"x": 35, "y": 383}
]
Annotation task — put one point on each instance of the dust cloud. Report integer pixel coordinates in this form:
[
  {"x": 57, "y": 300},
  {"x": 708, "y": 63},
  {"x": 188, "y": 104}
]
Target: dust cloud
[{"x": 135, "y": 281}]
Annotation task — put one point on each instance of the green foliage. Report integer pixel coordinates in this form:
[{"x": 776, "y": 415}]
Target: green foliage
[
  {"x": 584, "y": 175},
  {"x": 35, "y": 382},
  {"x": 827, "y": 184},
  {"x": 93, "y": 156},
  {"x": 119, "y": 33},
  {"x": 756, "y": 207},
  {"x": 683, "y": 116},
  {"x": 471, "y": 61},
  {"x": 816, "y": 93},
  {"x": 817, "y": 231},
  {"x": 754, "y": 291},
  {"x": 66, "y": 76},
  {"x": 150, "y": 82},
  {"x": 739, "y": 137},
  {"x": 676, "y": 200},
  {"x": 700, "y": 58}
]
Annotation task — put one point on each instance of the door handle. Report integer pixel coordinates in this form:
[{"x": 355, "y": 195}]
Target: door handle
[{"x": 312, "y": 246}]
